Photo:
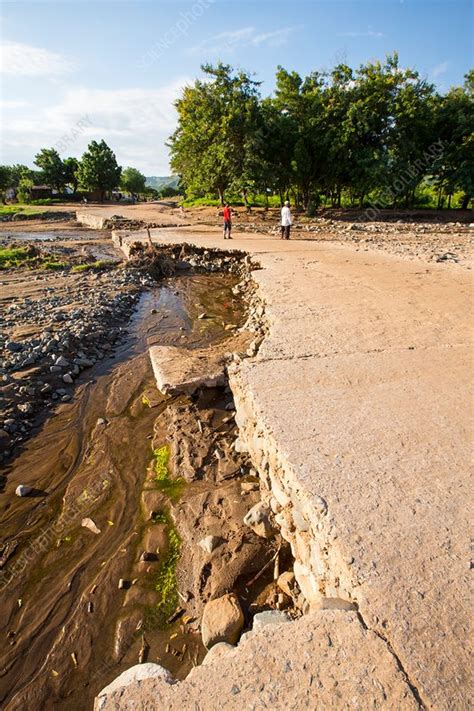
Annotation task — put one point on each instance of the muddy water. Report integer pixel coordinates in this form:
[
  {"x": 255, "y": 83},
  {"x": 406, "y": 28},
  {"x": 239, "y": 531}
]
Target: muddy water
[{"x": 60, "y": 597}]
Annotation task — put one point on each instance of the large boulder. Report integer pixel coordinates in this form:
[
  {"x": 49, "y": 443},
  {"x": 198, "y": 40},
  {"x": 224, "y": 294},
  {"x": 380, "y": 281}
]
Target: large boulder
[{"x": 222, "y": 621}]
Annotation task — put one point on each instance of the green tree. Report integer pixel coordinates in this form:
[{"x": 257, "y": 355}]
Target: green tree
[
  {"x": 19, "y": 171},
  {"x": 454, "y": 168},
  {"x": 24, "y": 188},
  {"x": 5, "y": 180},
  {"x": 70, "y": 173},
  {"x": 48, "y": 159},
  {"x": 98, "y": 169},
  {"x": 212, "y": 147},
  {"x": 132, "y": 181}
]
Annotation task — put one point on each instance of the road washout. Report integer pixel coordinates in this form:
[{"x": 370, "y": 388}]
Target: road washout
[{"x": 106, "y": 568}]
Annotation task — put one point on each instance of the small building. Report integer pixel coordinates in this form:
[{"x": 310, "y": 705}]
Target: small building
[{"x": 40, "y": 192}]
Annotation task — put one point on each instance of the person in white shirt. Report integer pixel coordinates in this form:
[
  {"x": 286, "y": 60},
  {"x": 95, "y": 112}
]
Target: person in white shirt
[{"x": 286, "y": 221}]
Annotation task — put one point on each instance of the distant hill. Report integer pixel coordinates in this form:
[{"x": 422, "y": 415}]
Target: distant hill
[{"x": 159, "y": 182}]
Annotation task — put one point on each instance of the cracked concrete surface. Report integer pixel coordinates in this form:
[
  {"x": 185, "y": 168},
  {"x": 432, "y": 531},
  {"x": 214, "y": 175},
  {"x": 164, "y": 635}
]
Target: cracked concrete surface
[{"x": 360, "y": 398}]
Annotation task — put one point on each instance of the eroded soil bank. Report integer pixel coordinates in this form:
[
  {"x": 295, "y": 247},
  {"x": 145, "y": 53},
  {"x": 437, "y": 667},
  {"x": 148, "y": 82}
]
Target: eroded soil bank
[{"x": 103, "y": 566}]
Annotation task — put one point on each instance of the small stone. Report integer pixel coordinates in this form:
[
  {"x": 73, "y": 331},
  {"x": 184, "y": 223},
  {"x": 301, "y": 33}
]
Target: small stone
[
  {"x": 247, "y": 486},
  {"x": 258, "y": 519},
  {"x": 61, "y": 362},
  {"x": 209, "y": 543},
  {"x": 89, "y": 523},
  {"x": 23, "y": 490},
  {"x": 67, "y": 378},
  {"x": 286, "y": 582},
  {"x": 216, "y": 652}
]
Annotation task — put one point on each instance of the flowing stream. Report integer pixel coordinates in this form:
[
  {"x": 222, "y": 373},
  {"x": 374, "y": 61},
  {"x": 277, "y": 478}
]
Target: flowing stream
[{"x": 64, "y": 584}]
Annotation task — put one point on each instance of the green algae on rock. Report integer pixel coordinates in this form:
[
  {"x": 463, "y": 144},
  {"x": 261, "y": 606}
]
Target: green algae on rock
[{"x": 170, "y": 487}]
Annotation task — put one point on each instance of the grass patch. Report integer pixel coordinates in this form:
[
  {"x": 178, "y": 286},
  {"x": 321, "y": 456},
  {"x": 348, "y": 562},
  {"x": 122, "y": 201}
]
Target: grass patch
[
  {"x": 54, "y": 265},
  {"x": 13, "y": 256},
  {"x": 6, "y": 210},
  {"x": 172, "y": 488},
  {"x": 99, "y": 265}
]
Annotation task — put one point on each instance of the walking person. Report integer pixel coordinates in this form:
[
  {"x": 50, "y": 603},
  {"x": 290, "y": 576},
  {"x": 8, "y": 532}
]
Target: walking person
[
  {"x": 286, "y": 221},
  {"x": 227, "y": 221}
]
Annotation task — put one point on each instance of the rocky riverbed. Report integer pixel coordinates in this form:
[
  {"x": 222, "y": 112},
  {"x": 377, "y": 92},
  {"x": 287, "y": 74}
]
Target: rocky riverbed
[
  {"x": 141, "y": 511},
  {"x": 57, "y": 323}
]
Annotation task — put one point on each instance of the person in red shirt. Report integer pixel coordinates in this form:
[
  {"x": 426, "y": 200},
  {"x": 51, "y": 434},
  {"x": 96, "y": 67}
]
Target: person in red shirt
[{"x": 227, "y": 221}]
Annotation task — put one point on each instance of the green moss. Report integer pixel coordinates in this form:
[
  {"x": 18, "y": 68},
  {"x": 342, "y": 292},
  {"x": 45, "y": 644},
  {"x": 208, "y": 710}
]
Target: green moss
[
  {"x": 159, "y": 517},
  {"x": 172, "y": 488},
  {"x": 165, "y": 582}
]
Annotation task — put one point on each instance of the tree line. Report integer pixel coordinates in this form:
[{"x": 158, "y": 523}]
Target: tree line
[
  {"x": 373, "y": 135},
  {"x": 97, "y": 171}
]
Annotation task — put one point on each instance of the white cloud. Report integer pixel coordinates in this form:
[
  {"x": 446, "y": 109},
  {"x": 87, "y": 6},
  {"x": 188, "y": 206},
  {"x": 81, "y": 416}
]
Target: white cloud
[
  {"x": 134, "y": 122},
  {"x": 439, "y": 69},
  {"x": 24, "y": 60},
  {"x": 368, "y": 33},
  {"x": 13, "y": 104},
  {"x": 231, "y": 40}
]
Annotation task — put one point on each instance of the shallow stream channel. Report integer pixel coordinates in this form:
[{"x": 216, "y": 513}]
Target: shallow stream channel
[{"x": 136, "y": 517}]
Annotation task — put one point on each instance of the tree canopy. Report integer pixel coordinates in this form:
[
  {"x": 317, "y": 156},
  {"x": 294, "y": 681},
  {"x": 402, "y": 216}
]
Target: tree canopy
[
  {"x": 132, "y": 181},
  {"x": 98, "y": 168},
  {"x": 49, "y": 160},
  {"x": 379, "y": 130}
]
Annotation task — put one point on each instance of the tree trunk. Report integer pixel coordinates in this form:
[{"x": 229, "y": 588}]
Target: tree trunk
[
  {"x": 449, "y": 200},
  {"x": 465, "y": 201},
  {"x": 439, "y": 198},
  {"x": 221, "y": 195},
  {"x": 246, "y": 202},
  {"x": 339, "y": 197}
]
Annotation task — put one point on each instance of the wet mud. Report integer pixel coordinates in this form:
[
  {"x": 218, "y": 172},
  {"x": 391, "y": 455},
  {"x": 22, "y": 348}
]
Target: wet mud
[{"x": 101, "y": 565}]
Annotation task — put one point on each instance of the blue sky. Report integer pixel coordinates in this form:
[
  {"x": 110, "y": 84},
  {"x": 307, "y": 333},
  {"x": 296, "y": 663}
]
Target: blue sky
[{"x": 73, "y": 71}]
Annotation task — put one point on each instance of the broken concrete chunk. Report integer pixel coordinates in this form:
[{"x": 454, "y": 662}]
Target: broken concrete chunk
[
  {"x": 180, "y": 370},
  {"x": 269, "y": 617},
  {"x": 137, "y": 673},
  {"x": 333, "y": 603}
]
